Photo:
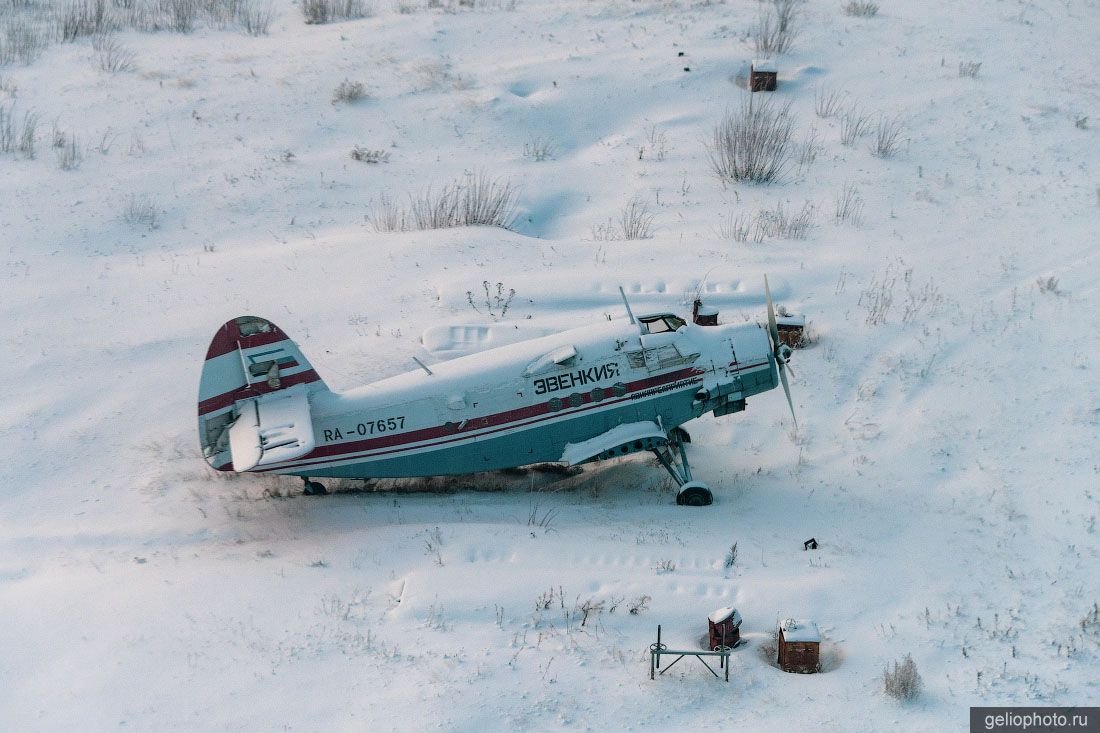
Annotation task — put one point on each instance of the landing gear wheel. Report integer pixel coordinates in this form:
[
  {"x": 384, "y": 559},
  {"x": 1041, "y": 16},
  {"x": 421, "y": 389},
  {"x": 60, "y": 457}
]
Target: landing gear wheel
[
  {"x": 314, "y": 488},
  {"x": 694, "y": 493}
]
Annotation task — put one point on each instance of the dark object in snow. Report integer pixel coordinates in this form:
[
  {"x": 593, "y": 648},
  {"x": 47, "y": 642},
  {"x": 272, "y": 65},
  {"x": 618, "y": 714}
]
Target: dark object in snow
[
  {"x": 810, "y": 544},
  {"x": 706, "y": 315},
  {"x": 725, "y": 629},
  {"x": 679, "y": 53},
  {"x": 792, "y": 328},
  {"x": 687, "y": 68},
  {"x": 799, "y": 646},
  {"x": 656, "y": 650},
  {"x": 763, "y": 76},
  {"x": 313, "y": 488}
]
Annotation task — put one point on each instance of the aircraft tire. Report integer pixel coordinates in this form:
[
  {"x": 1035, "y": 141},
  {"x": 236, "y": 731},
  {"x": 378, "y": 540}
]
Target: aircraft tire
[
  {"x": 314, "y": 488},
  {"x": 694, "y": 494}
]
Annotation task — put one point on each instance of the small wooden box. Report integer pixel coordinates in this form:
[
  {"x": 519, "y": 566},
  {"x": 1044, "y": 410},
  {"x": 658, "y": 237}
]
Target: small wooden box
[
  {"x": 725, "y": 628},
  {"x": 799, "y": 646},
  {"x": 763, "y": 76}
]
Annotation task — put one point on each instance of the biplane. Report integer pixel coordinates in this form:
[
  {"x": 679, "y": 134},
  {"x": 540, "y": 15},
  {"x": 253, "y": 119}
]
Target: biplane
[{"x": 593, "y": 393}]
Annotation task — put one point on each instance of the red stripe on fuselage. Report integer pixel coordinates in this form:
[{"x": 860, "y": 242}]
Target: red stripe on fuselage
[{"x": 500, "y": 421}]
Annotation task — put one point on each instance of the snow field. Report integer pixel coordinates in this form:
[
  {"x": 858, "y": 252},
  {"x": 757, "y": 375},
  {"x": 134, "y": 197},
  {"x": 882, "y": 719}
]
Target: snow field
[{"x": 948, "y": 411}]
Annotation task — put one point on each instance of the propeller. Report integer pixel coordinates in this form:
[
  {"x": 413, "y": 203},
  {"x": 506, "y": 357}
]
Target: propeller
[{"x": 777, "y": 350}]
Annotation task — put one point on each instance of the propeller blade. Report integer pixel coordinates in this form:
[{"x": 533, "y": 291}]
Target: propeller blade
[
  {"x": 787, "y": 391},
  {"x": 773, "y": 329},
  {"x": 773, "y": 337}
]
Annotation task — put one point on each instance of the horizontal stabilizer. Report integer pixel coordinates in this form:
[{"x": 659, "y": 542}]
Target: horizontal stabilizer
[
  {"x": 272, "y": 428},
  {"x": 618, "y": 441}
]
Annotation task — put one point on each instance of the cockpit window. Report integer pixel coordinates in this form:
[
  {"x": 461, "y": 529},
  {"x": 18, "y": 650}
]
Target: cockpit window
[{"x": 663, "y": 323}]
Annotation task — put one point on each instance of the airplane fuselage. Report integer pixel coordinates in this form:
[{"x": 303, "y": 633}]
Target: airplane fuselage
[{"x": 517, "y": 405}]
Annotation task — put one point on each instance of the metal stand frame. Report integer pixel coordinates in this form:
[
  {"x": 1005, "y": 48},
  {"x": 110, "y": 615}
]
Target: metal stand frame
[
  {"x": 681, "y": 474},
  {"x": 656, "y": 650}
]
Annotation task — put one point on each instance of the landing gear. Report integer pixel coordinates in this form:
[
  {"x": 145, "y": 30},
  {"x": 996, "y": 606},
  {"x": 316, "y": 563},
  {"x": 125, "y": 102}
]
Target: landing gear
[
  {"x": 694, "y": 493},
  {"x": 691, "y": 493},
  {"x": 313, "y": 488}
]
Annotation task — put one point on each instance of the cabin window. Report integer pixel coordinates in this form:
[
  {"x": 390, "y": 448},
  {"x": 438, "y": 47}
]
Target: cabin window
[
  {"x": 664, "y": 323},
  {"x": 554, "y": 404},
  {"x": 618, "y": 389},
  {"x": 597, "y": 394},
  {"x": 576, "y": 399}
]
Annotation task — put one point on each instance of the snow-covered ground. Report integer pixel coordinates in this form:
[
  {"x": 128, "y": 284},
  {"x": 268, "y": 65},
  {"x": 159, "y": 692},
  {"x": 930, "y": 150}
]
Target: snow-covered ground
[{"x": 949, "y": 407}]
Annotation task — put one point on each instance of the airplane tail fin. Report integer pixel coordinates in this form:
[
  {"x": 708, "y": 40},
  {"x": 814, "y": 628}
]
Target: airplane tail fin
[{"x": 252, "y": 362}]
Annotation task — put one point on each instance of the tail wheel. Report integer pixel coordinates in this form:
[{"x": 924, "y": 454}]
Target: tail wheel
[{"x": 314, "y": 488}]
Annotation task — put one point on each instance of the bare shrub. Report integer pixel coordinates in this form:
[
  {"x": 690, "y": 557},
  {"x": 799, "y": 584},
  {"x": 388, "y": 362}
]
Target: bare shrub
[
  {"x": 182, "y": 14},
  {"x": 496, "y": 306},
  {"x": 635, "y": 222},
  {"x": 1048, "y": 284},
  {"x": 254, "y": 19},
  {"x": 141, "y": 211},
  {"x": 349, "y": 92},
  {"x": 476, "y": 201},
  {"x": 849, "y": 205},
  {"x": 887, "y": 137},
  {"x": 902, "y": 682},
  {"x": 387, "y": 216},
  {"x": 853, "y": 125},
  {"x": 636, "y": 219},
  {"x": 754, "y": 143},
  {"x": 639, "y": 604},
  {"x": 809, "y": 149},
  {"x": 21, "y": 41},
  {"x": 775, "y": 31},
  {"x": 317, "y": 12},
  {"x": 665, "y": 566},
  {"x": 111, "y": 55},
  {"x": 437, "y": 74},
  {"x": 657, "y": 140},
  {"x": 539, "y": 149},
  {"x": 785, "y": 13},
  {"x": 861, "y": 9},
  {"x": 366, "y": 155},
  {"x": 85, "y": 18},
  {"x": 783, "y": 223},
  {"x": 969, "y": 69},
  {"x": 18, "y": 138},
  {"x": 736, "y": 227},
  {"x": 69, "y": 154},
  {"x": 828, "y": 102},
  {"x": 731, "y": 557}
]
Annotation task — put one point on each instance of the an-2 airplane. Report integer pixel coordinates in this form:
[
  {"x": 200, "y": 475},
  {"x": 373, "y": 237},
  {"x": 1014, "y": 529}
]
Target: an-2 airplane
[{"x": 590, "y": 393}]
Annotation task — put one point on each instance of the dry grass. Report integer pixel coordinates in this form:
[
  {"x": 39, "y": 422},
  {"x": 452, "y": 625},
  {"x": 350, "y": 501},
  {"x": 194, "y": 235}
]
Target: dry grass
[
  {"x": 861, "y": 9},
  {"x": 477, "y": 200},
  {"x": 775, "y": 32},
  {"x": 317, "y": 12},
  {"x": 349, "y": 92},
  {"x": 753, "y": 145},
  {"x": 969, "y": 69},
  {"x": 635, "y": 221},
  {"x": 887, "y": 137},
  {"x": 903, "y": 681}
]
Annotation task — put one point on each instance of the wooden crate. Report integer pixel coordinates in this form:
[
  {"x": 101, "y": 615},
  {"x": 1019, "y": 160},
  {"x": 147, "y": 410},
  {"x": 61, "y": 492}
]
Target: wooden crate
[
  {"x": 725, "y": 628},
  {"x": 763, "y": 76},
  {"x": 799, "y": 646}
]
